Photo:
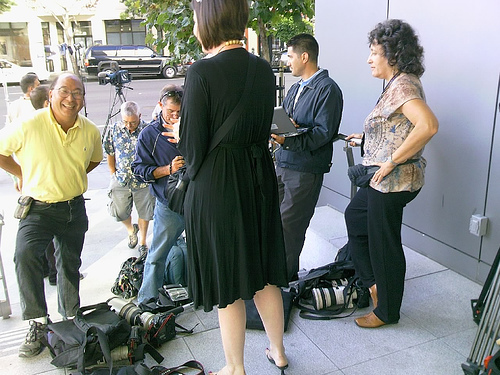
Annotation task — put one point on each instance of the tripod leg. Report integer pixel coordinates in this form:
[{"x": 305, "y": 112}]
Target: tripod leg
[{"x": 118, "y": 97}]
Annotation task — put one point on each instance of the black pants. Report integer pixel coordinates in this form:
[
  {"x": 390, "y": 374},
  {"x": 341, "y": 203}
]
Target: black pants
[
  {"x": 66, "y": 222},
  {"x": 298, "y": 195},
  {"x": 374, "y": 222}
]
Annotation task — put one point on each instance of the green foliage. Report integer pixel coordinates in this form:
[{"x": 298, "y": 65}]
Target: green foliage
[
  {"x": 5, "y": 5},
  {"x": 268, "y": 13},
  {"x": 173, "y": 19},
  {"x": 287, "y": 28}
]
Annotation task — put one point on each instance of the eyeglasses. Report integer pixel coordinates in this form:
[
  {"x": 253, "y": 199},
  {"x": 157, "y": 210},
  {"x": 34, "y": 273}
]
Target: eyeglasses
[
  {"x": 171, "y": 94},
  {"x": 131, "y": 123},
  {"x": 77, "y": 94}
]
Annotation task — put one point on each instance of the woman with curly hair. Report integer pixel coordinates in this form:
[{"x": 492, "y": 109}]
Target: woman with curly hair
[{"x": 395, "y": 133}]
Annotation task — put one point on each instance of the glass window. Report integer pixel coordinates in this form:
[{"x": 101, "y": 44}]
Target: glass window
[
  {"x": 143, "y": 51},
  {"x": 127, "y": 38},
  {"x": 139, "y": 38},
  {"x": 46, "y": 33},
  {"x": 125, "y": 32},
  {"x": 126, "y": 51},
  {"x": 113, "y": 26},
  {"x": 81, "y": 28},
  {"x": 113, "y": 38},
  {"x": 136, "y": 25},
  {"x": 104, "y": 51},
  {"x": 14, "y": 42}
]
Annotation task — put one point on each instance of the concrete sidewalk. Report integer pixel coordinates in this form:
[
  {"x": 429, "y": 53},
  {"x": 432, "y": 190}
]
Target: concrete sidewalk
[{"x": 434, "y": 335}]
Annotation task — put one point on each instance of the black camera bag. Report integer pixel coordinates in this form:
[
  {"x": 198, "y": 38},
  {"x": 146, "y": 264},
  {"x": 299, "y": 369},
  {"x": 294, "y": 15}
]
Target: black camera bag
[
  {"x": 88, "y": 338},
  {"x": 340, "y": 272}
]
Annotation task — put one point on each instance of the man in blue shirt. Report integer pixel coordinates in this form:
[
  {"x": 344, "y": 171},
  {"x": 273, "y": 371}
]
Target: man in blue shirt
[
  {"x": 156, "y": 158},
  {"x": 125, "y": 189},
  {"x": 314, "y": 102}
]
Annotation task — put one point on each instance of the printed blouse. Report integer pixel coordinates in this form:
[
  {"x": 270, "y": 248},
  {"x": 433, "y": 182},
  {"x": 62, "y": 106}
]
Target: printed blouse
[
  {"x": 121, "y": 143},
  {"x": 386, "y": 129}
]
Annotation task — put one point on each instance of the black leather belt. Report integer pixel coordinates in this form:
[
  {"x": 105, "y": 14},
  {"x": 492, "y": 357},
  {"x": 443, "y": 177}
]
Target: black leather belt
[{"x": 73, "y": 200}]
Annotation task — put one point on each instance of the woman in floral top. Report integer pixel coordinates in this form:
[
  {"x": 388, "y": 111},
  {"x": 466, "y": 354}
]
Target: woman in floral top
[{"x": 395, "y": 134}]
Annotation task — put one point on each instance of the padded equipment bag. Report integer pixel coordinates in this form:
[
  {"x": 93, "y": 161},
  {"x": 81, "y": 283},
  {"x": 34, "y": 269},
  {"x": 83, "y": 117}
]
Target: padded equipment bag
[{"x": 87, "y": 338}]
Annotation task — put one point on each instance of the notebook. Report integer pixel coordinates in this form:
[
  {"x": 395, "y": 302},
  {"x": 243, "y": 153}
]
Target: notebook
[{"x": 283, "y": 125}]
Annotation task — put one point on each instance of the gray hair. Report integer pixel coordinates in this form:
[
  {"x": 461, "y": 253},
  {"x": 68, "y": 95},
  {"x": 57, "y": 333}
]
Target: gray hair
[
  {"x": 130, "y": 109},
  {"x": 172, "y": 92}
]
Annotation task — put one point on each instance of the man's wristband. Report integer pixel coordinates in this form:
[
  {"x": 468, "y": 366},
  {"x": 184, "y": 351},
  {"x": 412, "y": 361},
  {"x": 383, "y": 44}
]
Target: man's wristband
[{"x": 170, "y": 168}]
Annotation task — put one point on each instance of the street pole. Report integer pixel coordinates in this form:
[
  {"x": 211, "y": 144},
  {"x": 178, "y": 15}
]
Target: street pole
[{"x": 6, "y": 94}]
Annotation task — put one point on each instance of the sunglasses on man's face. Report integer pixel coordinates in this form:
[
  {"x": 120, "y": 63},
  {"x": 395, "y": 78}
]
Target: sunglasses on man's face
[{"x": 171, "y": 94}]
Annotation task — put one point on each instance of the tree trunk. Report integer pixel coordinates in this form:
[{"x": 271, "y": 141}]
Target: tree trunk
[
  {"x": 68, "y": 39},
  {"x": 264, "y": 45}
]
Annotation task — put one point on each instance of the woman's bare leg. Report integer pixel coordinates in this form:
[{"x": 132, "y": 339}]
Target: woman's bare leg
[
  {"x": 269, "y": 303},
  {"x": 232, "y": 322}
]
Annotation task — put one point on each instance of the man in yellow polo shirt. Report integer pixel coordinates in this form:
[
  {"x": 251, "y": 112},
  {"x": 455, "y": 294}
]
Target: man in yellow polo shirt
[{"x": 55, "y": 148}]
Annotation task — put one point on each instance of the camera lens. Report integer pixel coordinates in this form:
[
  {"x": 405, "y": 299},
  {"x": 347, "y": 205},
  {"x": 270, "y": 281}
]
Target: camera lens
[
  {"x": 127, "y": 310},
  {"x": 131, "y": 313},
  {"x": 146, "y": 319}
]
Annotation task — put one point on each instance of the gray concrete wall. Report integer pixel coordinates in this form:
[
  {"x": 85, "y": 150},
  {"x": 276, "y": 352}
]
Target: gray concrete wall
[{"x": 462, "y": 59}]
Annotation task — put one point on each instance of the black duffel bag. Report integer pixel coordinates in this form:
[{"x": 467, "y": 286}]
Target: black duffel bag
[{"x": 88, "y": 338}]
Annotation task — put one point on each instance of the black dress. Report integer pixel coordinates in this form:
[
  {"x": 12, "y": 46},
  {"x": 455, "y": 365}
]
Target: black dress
[{"x": 233, "y": 224}]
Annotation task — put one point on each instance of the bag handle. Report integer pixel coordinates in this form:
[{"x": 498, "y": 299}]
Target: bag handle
[
  {"x": 328, "y": 314},
  {"x": 192, "y": 364}
]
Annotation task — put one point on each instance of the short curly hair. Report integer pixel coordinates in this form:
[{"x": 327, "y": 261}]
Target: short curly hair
[{"x": 400, "y": 44}]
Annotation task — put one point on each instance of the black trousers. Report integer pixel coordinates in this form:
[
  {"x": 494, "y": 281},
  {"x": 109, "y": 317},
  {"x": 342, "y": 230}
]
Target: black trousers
[
  {"x": 298, "y": 195},
  {"x": 373, "y": 221},
  {"x": 66, "y": 223}
]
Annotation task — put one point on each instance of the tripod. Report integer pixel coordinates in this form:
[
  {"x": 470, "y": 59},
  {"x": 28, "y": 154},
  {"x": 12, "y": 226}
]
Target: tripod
[
  {"x": 114, "y": 109},
  {"x": 486, "y": 311}
]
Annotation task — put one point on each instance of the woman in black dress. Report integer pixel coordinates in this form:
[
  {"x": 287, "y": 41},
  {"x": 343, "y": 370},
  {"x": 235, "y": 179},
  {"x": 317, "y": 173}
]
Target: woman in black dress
[{"x": 235, "y": 241}]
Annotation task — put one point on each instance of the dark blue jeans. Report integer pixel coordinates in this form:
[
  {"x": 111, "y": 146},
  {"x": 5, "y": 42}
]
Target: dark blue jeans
[{"x": 66, "y": 223}]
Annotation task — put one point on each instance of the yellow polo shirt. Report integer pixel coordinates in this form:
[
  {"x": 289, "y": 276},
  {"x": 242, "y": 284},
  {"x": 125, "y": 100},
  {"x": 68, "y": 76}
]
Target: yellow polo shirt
[{"x": 53, "y": 162}]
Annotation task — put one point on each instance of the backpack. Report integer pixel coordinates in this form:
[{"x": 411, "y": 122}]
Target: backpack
[
  {"x": 129, "y": 279},
  {"x": 88, "y": 338},
  {"x": 327, "y": 291}
]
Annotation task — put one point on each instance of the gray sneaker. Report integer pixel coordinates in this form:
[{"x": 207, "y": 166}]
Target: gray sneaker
[
  {"x": 143, "y": 250},
  {"x": 33, "y": 345},
  {"x": 132, "y": 239}
]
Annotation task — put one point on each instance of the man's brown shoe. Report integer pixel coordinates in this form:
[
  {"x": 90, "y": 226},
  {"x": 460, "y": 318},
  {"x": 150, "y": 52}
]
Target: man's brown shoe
[{"x": 369, "y": 321}]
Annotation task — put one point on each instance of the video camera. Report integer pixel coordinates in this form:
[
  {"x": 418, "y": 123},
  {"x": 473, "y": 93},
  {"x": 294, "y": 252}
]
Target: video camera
[
  {"x": 157, "y": 327},
  {"x": 116, "y": 79}
]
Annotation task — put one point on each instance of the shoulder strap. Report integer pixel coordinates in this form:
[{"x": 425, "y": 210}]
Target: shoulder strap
[
  {"x": 235, "y": 114},
  {"x": 191, "y": 365}
]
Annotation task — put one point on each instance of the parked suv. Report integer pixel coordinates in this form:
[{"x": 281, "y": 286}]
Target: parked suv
[{"x": 138, "y": 60}]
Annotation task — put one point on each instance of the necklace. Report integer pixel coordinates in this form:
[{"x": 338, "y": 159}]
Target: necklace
[
  {"x": 387, "y": 86},
  {"x": 230, "y": 42}
]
